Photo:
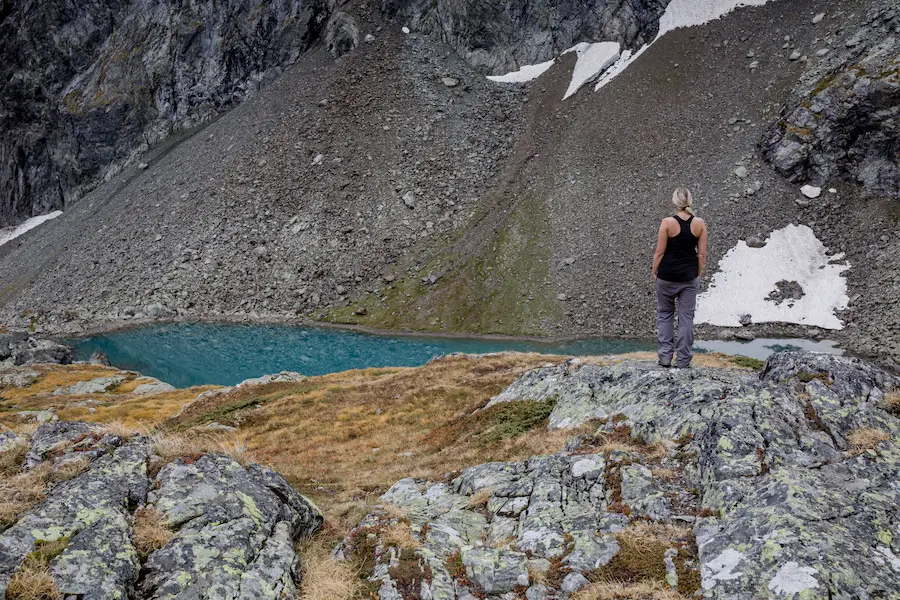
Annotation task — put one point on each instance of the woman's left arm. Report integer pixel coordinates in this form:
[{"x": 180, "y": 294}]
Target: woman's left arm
[{"x": 662, "y": 238}]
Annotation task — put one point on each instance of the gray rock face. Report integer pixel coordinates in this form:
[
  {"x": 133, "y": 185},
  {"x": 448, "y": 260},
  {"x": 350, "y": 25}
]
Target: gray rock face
[
  {"x": 788, "y": 478},
  {"x": 245, "y": 527},
  {"x": 235, "y": 535},
  {"x": 98, "y": 385},
  {"x": 17, "y": 376},
  {"x": 21, "y": 348},
  {"x": 90, "y": 83},
  {"x": 499, "y": 37},
  {"x": 847, "y": 126}
]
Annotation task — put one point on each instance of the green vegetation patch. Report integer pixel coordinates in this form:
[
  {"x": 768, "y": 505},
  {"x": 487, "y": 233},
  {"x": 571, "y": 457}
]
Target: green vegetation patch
[
  {"x": 497, "y": 423},
  {"x": 501, "y": 289},
  {"x": 748, "y": 363}
]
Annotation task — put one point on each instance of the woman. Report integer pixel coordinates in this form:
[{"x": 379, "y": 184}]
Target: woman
[{"x": 677, "y": 266}]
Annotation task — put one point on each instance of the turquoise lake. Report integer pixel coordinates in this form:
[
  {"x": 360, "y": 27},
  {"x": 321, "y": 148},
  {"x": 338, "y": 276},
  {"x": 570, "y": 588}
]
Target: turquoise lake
[{"x": 195, "y": 354}]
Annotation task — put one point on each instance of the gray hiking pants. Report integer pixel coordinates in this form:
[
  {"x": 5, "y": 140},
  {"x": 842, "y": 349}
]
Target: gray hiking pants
[{"x": 667, "y": 292}]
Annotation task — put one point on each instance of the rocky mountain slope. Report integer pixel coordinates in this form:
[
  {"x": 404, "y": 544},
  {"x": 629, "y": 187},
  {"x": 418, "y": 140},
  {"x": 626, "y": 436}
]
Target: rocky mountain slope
[{"x": 397, "y": 188}]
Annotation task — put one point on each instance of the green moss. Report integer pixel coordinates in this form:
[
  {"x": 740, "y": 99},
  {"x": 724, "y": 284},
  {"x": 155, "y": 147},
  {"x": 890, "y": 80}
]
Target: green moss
[
  {"x": 747, "y": 362},
  {"x": 501, "y": 288},
  {"x": 494, "y": 424},
  {"x": 806, "y": 377}
]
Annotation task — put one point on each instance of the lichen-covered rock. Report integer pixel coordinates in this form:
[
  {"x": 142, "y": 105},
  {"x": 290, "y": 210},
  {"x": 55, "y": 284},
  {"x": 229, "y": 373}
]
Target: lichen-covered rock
[
  {"x": 233, "y": 524},
  {"x": 17, "y": 377},
  {"x": 98, "y": 385},
  {"x": 788, "y": 478},
  {"x": 149, "y": 385},
  {"x": 37, "y": 351},
  {"x": 236, "y": 526},
  {"x": 91, "y": 511},
  {"x": 8, "y": 438}
]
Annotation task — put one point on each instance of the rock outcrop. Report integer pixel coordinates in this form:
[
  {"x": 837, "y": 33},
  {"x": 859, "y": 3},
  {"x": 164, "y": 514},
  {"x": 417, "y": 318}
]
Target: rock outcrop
[
  {"x": 848, "y": 125},
  {"x": 729, "y": 484},
  {"x": 499, "y": 37},
  {"x": 88, "y": 84},
  {"x": 230, "y": 528},
  {"x": 21, "y": 348}
]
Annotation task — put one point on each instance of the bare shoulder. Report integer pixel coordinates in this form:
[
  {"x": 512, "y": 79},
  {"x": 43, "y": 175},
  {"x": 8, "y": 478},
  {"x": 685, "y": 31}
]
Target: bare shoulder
[{"x": 700, "y": 224}]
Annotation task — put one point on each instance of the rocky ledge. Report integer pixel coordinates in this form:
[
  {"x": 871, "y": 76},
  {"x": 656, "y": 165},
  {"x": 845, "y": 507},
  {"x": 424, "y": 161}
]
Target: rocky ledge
[
  {"x": 704, "y": 482},
  {"x": 121, "y": 521},
  {"x": 22, "y": 348}
]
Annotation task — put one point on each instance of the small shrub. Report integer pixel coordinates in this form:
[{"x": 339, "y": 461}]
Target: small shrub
[
  {"x": 150, "y": 531},
  {"x": 455, "y": 566},
  {"x": 408, "y": 575}
]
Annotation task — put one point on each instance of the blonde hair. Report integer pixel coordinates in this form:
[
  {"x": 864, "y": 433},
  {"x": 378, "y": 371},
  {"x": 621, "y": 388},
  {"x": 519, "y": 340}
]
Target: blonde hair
[{"x": 683, "y": 200}]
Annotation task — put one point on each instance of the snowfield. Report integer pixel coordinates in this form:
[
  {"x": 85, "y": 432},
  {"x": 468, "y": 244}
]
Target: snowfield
[
  {"x": 11, "y": 233},
  {"x": 526, "y": 73},
  {"x": 606, "y": 60},
  {"x": 748, "y": 276},
  {"x": 593, "y": 59}
]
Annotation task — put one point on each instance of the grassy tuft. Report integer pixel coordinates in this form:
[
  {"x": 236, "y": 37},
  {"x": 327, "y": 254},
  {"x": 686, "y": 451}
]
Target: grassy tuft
[
  {"x": 611, "y": 590},
  {"x": 32, "y": 580},
  {"x": 892, "y": 403},
  {"x": 23, "y": 491},
  {"x": 641, "y": 558},
  {"x": 12, "y": 458},
  {"x": 150, "y": 531},
  {"x": 325, "y": 577},
  {"x": 865, "y": 438}
]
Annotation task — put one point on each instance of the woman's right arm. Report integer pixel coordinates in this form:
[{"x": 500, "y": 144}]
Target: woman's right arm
[{"x": 662, "y": 238}]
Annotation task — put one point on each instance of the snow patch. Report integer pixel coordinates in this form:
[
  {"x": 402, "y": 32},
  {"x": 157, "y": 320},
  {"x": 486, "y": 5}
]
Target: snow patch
[
  {"x": 11, "y": 233},
  {"x": 525, "y": 73},
  {"x": 593, "y": 59},
  {"x": 792, "y": 579},
  {"x": 721, "y": 568},
  {"x": 747, "y": 276},
  {"x": 680, "y": 14}
]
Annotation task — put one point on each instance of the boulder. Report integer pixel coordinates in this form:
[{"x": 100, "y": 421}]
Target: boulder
[{"x": 234, "y": 527}]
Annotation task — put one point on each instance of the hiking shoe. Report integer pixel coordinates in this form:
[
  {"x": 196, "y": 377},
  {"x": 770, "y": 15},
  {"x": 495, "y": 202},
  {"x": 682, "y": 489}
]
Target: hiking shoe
[{"x": 665, "y": 365}]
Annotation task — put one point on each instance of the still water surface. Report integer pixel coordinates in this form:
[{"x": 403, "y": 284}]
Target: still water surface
[{"x": 203, "y": 353}]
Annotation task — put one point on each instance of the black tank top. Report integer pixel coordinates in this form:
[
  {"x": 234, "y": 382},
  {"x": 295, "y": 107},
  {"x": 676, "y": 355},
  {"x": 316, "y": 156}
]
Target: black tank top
[{"x": 679, "y": 263}]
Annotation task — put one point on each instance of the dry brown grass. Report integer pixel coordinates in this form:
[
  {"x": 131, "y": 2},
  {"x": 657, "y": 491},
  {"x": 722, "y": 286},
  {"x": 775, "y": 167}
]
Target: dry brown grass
[
  {"x": 24, "y": 490},
  {"x": 620, "y": 591},
  {"x": 480, "y": 498},
  {"x": 32, "y": 580},
  {"x": 641, "y": 561},
  {"x": 170, "y": 446},
  {"x": 400, "y": 535},
  {"x": 326, "y": 578},
  {"x": 11, "y": 459},
  {"x": 866, "y": 438},
  {"x": 329, "y": 438},
  {"x": 150, "y": 531},
  {"x": 892, "y": 403}
]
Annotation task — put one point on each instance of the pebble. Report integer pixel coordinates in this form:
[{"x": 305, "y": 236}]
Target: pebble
[
  {"x": 370, "y": 38},
  {"x": 811, "y": 191},
  {"x": 741, "y": 172},
  {"x": 795, "y": 55},
  {"x": 818, "y": 18}
]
